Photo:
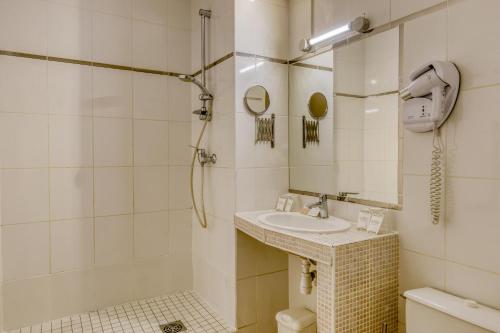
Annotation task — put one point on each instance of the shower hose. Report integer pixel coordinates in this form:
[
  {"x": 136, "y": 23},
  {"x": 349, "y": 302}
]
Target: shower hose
[{"x": 202, "y": 217}]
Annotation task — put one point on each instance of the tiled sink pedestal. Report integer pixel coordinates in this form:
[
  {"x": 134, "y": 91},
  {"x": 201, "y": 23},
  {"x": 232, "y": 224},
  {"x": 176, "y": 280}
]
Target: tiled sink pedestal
[{"x": 357, "y": 274}]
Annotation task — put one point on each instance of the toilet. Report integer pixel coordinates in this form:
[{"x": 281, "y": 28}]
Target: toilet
[
  {"x": 432, "y": 311},
  {"x": 296, "y": 321}
]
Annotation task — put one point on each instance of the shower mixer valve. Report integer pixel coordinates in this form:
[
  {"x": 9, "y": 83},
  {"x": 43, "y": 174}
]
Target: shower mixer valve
[{"x": 205, "y": 158}]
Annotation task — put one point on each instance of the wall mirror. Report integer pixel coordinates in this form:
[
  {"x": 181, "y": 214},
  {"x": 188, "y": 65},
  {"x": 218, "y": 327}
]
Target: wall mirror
[
  {"x": 358, "y": 148},
  {"x": 318, "y": 105},
  {"x": 257, "y": 100}
]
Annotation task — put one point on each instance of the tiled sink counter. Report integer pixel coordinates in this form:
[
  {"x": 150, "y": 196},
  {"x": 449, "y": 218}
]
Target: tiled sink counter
[{"x": 357, "y": 273}]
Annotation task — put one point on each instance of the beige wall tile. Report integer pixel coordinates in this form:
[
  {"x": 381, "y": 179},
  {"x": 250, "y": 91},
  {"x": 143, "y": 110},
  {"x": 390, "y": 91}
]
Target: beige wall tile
[
  {"x": 150, "y": 96},
  {"x": 25, "y": 195},
  {"x": 29, "y": 302},
  {"x": 417, "y": 271},
  {"x": 71, "y": 193},
  {"x": 24, "y": 140},
  {"x": 151, "y": 187},
  {"x": 112, "y": 142},
  {"x": 272, "y": 297},
  {"x": 151, "y": 142},
  {"x": 72, "y": 292},
  {"x": 114, "y": 7},
  {"x": 151, "y": 234},
  {"x": 25, "y": 250},
  {"x": 177, "y": 61},
  {"x": 28, "y": 18},
  {"x": 153, "y": 278},
  {"x": 178, "y": 96},
  {"x": 179, "y": 14},
  {"x": 114, "y": 285},
  {"x": 247, "y": 301},
  {"x": 477, "y": 61},
  {"x": 471, "y": 226},
  {"x": 72, "y": 245},
  {"x": 70, "y": 141},
  {"x": 112, "y": 92},
  {"x": 179, "y": 141},
  {"x": 111, "y": 39},
  {"x": 400, "y": 8},
  {"x": 113, "y": 191},
  {"x": 23, "y": 85},
  {"x": 154, "y": 11},
  {"x": 69, "y": 89},
  {"x": 180, "y": 223},
  {"x": 69, "y": 32},
  {"x": 149, "y": 48},
  {"x": 113, "y": 240},
  {"x": 179, "y": 192}
]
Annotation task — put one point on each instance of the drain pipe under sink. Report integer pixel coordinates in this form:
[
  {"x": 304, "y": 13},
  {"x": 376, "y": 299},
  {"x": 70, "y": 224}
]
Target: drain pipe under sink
[{"x": 307, "y": 276}]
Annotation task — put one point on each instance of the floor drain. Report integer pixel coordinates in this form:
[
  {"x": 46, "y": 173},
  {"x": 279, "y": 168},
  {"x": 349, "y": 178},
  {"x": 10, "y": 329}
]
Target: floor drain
[{"x": 173, "y": 327}]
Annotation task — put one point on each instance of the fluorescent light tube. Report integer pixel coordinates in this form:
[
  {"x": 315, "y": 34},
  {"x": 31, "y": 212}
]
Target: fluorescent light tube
[{"x": 329, "y": 34}]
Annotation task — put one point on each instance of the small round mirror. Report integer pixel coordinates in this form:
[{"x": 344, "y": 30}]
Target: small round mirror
[
  {"x": 257, "y": 100},
  {"x": 318, "y": 105}
]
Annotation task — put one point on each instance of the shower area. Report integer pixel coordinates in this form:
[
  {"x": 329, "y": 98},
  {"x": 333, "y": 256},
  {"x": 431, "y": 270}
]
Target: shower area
[{"x": 104, "y": 225}]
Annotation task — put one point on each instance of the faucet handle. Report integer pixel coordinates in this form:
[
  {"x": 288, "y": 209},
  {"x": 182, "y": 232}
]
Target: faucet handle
[{"x": 323, "y": 197}]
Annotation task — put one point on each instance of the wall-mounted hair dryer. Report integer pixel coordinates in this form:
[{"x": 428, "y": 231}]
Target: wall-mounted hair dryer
[
  {"x": 429, "y": 99},
  {"x": 431, "y": 96}
]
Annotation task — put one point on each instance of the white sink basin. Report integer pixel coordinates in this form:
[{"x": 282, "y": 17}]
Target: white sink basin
[{"x": 301, "y": 223}]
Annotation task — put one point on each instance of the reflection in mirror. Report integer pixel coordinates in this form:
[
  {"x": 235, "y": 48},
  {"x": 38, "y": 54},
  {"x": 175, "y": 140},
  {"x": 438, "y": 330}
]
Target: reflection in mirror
[
  {"x": 359, "y": 134},
  {"x": 257, "y": 100}
]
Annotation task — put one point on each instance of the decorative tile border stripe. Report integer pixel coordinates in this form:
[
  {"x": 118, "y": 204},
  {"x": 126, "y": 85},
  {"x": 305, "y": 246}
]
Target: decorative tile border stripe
[
  {"x": 321, "y": 68},
  {"x": 85, "y": 63},
  {"x": 256, "y": 56},
  {"x": 215, "y": 63}
]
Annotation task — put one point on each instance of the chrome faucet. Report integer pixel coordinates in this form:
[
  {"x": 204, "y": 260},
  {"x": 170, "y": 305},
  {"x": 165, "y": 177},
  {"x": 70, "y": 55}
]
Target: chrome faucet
[{"x": 322, "y": 204}]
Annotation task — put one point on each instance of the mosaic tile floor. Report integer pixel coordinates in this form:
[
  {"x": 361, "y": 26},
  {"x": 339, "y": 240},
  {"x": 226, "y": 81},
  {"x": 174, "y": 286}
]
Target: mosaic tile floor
[{"x": 143, "y": 316}]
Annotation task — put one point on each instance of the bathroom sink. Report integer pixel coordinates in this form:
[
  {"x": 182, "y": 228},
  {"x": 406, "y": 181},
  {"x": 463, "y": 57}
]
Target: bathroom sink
[{"x": 302, "y": 223}]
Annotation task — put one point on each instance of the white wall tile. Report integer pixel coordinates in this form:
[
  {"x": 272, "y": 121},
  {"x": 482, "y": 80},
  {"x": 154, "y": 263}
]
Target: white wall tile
[
  {"x": 478, "y": 61},
  {"x": 112, "y": 142},
  {"x": 29, "y": 302},
  {"x": 24, "y": 140},
  {"x": 114, "y": 7},
  {"x": 71, "y": 193},
  {"x": 179, "y": 14},
  {"x": 180, "y": 152},
  {"x": 471, "y": 226},
  {"x": 153, "y": 277},
  {"x": 72, "y": 245},
  {"x": 150, "y": 189},
  {"x": 179, "y": 94},
  {"x": 69, "y": 89},
  {"x": 113, "y": 191},
  {"x": 415, "y": 226},
  {"x": 23, "y": 85},
  {"x": 112, "y": 92},
  {"x": 400, "y": 8},
  {"x": 25, "y": 196},
  {"x": 150, "y": 10},
  {"x": 150, "y": 96},
  {"x": 69, "y": 32},
  {"x": 28, "y": 18},
  {"x": 179, "y": 46},
  {"x": 151, "y": 234},
  {"x": 114, "y": 285},
  {"x": 113, "y": 240},
  {"x": 179, "y": 194},
  {"x": 149, "y": 45},
  {"x": 25, "y": 250},
  {"x": 70, "y": 141},
  {"x": 111, "y": 39},
  {"x": 417, "y": 271},
  {"x": 180, "y": 238},
  {"x": 72, "y": 292},
  {"x": 473, "y": 284},
  {"x": 151, "y": 142},
  {"x": 474, "y": 117}
]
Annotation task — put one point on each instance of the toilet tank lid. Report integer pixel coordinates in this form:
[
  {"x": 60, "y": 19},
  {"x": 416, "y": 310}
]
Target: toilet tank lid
[
  {"x": 296, "y": 319},
  {"x": 458, "y": 307}
]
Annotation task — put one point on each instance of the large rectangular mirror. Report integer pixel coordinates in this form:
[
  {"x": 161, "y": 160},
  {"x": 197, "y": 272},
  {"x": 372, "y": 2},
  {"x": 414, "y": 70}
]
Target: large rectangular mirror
[{"x": 343, "y": 124}]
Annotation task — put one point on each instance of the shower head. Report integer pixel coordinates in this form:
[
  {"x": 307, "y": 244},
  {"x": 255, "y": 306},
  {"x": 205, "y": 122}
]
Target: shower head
[{"x": 192, "y": 79}]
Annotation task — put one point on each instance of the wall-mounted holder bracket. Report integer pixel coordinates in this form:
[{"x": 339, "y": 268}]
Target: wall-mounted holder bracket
[
  {"x": 264, "y": 130},
  {"x": 310, "y": 131}
]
